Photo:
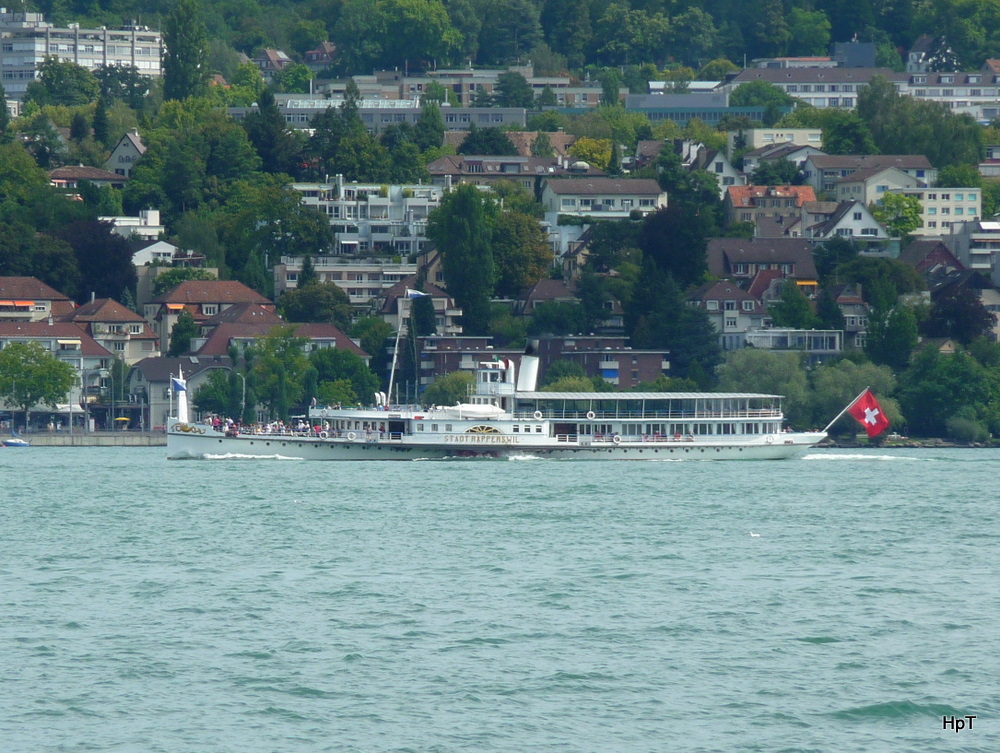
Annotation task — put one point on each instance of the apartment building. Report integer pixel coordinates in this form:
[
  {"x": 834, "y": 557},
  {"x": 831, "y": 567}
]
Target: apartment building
[
  {"x": 371, "y": 218},
  {"x": 26, "y": 39}
]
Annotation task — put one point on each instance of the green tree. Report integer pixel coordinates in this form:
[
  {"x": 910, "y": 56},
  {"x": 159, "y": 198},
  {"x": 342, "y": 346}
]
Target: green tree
[
  {"x": 318, "y": 302},
  {"x": 462, "y": 227},
  {"x": 959, "y": 313},
  {"x": 901, "y": 214},
  {"x": 675, "y": 239},
  {"x": 657, "y": 316},
  {"x": 449, "y": 389},
  {"x": 792, "y": 308},
  {"x": 828, "y": 313},
  {"x": 512, "y": 90},
  {"x": 294, "y": 79},
  {"x": 280, "y": 365},
  {"x": 185, "y": 43},
  {"x": 520, "y": 252},
  {"x": 4, "y": 115},
  {"x": 561, "y": 369},
  {"x": 556, "y": 318},
  {"x": 62, "y": 83},
  {"x": 335, "y": 364},
  {"x": 183, "y": 331},
  {"x": 104, "y": 259},
  {"x": 939, "y": 387},
  {"x": 959, "y": 176},
  {"x": 101, "y": 125},
  {"x": 124, "y": 83},
  {"x": 487, "y": 141},
  {"x": 213, "y": 394},
  {"x": 30, "y": 375},
  {"x": 752, "y": 370},
  {"x": 891, "y": 336},
  {"x": 837, "y": 384},
  {"x": 760, "y": 93},
  {"x": 171, "y": 278},
  {"x": 307, "y": 275},
  {"x": 809, "y": 31},
  {"x": 423, "y": 318},
  {"x": 371, "y": 333},
  {"x": 776, "y": 172},
  {"x": 277, "y": 146}
]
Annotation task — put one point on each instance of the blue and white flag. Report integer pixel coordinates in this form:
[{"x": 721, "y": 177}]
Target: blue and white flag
[
  {"x": 178, "y": 384},
  {"x": 411, "y": 293}
]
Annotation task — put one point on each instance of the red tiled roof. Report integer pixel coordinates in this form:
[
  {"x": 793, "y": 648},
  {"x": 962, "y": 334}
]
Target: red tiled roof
[
  {"x": 103, "y": 310},
  {"x": 59, "y": 330},
  {"x": 29, "y": 288},
  {"x": 212, "y": 291},
  {"x": 218, "y": 341},
  {"x": 82, "y": 172},
  {"x": 747, "y": 196}
]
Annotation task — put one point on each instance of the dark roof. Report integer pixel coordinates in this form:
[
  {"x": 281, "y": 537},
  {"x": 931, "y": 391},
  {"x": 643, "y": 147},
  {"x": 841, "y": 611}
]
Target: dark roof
[
  {"x": 834, "y": 219},
  {"x": 923, "y": 255},
  {"x": 161, "y": 368},
  {"x": 601, "y": 186},
  {"x": 863, "y": 161},
  {"x": 719, "y": 290},
  {"x": 244, "y": 313},
  {"x": 815, "y": 75},
  {"x": 722, "y": 253},
  {"x": 870, "y": 172}
]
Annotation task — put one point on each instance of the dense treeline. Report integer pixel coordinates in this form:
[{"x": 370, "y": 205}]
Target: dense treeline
[{"x": 569, "y": 34}]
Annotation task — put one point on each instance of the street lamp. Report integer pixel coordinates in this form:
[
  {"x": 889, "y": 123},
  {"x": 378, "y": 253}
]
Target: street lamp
[{"x": 243, "y": 397}]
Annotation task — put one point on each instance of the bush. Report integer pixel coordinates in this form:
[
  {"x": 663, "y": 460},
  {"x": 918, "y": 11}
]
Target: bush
[{"x": 966, "y": 429}]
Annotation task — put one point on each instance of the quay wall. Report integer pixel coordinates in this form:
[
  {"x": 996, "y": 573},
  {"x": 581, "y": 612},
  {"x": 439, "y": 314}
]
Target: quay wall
[{"x": 99, "y": 439}]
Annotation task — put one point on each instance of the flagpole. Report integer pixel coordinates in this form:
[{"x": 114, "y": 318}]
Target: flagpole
[
  {"x": 849, "y": 406},
  {"x": 395, "y": 350}
]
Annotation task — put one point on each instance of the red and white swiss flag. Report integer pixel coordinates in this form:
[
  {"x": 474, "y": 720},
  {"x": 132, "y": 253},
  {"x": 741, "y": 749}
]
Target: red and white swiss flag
[{"x": 869, "y": 414}]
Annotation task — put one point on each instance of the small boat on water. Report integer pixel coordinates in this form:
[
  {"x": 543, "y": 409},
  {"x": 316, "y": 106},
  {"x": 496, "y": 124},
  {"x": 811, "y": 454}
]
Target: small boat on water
[
  {"x": 507, "y": 417},
  {"x": 15, "y": 440}
]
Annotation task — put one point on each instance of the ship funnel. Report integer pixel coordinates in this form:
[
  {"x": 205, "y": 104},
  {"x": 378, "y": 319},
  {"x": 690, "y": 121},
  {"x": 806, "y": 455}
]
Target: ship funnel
[
  {"x": 179, "y": 384},
  {"x": 527, "y": 377}
]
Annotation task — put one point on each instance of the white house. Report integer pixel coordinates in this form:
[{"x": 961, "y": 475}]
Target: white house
[
  {"x": 595, "y": 199},
  {"x": 126, "y": 153},
  {"x": 868, "y": 186},
  {"x": 145, "y": 227},
  {"x": 848, "y": 219},
  {"x": 822, "y": 171}
]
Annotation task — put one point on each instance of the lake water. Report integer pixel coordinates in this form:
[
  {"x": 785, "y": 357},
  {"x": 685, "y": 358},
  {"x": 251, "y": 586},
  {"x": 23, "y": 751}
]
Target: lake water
[{"x": 525, "y": 605}]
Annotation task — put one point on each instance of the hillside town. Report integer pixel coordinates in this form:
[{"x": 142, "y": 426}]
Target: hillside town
[{"x": 287, "y": 230}]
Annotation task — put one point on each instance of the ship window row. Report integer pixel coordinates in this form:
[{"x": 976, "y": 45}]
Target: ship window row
[
  {"x": 518, "y": 428},
  {"x": 725, "y": 428}
]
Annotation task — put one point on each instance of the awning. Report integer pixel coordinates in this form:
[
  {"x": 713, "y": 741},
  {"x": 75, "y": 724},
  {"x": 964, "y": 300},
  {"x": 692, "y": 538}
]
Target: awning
[
  {"x": 6, "y": 303},
  {"x": 175, "y": 306},
  {"x": 69, "y": 342},
  {"x": 806, "y": 282},
  {"x": 24, "y": 303}
]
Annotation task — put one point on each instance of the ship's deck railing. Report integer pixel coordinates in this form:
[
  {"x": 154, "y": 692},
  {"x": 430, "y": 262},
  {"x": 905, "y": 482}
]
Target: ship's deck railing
[
  {"x": 684, "y": 415},
  {"x": 611, "y": 438}
]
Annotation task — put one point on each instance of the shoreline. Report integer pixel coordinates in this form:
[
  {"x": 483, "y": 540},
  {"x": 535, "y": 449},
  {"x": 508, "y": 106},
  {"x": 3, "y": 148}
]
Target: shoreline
[{"x": 98, "y": 439}]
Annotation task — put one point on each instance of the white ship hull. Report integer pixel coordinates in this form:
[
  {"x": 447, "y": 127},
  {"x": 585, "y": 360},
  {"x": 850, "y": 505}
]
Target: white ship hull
[{"x": 198, "y": 441}]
